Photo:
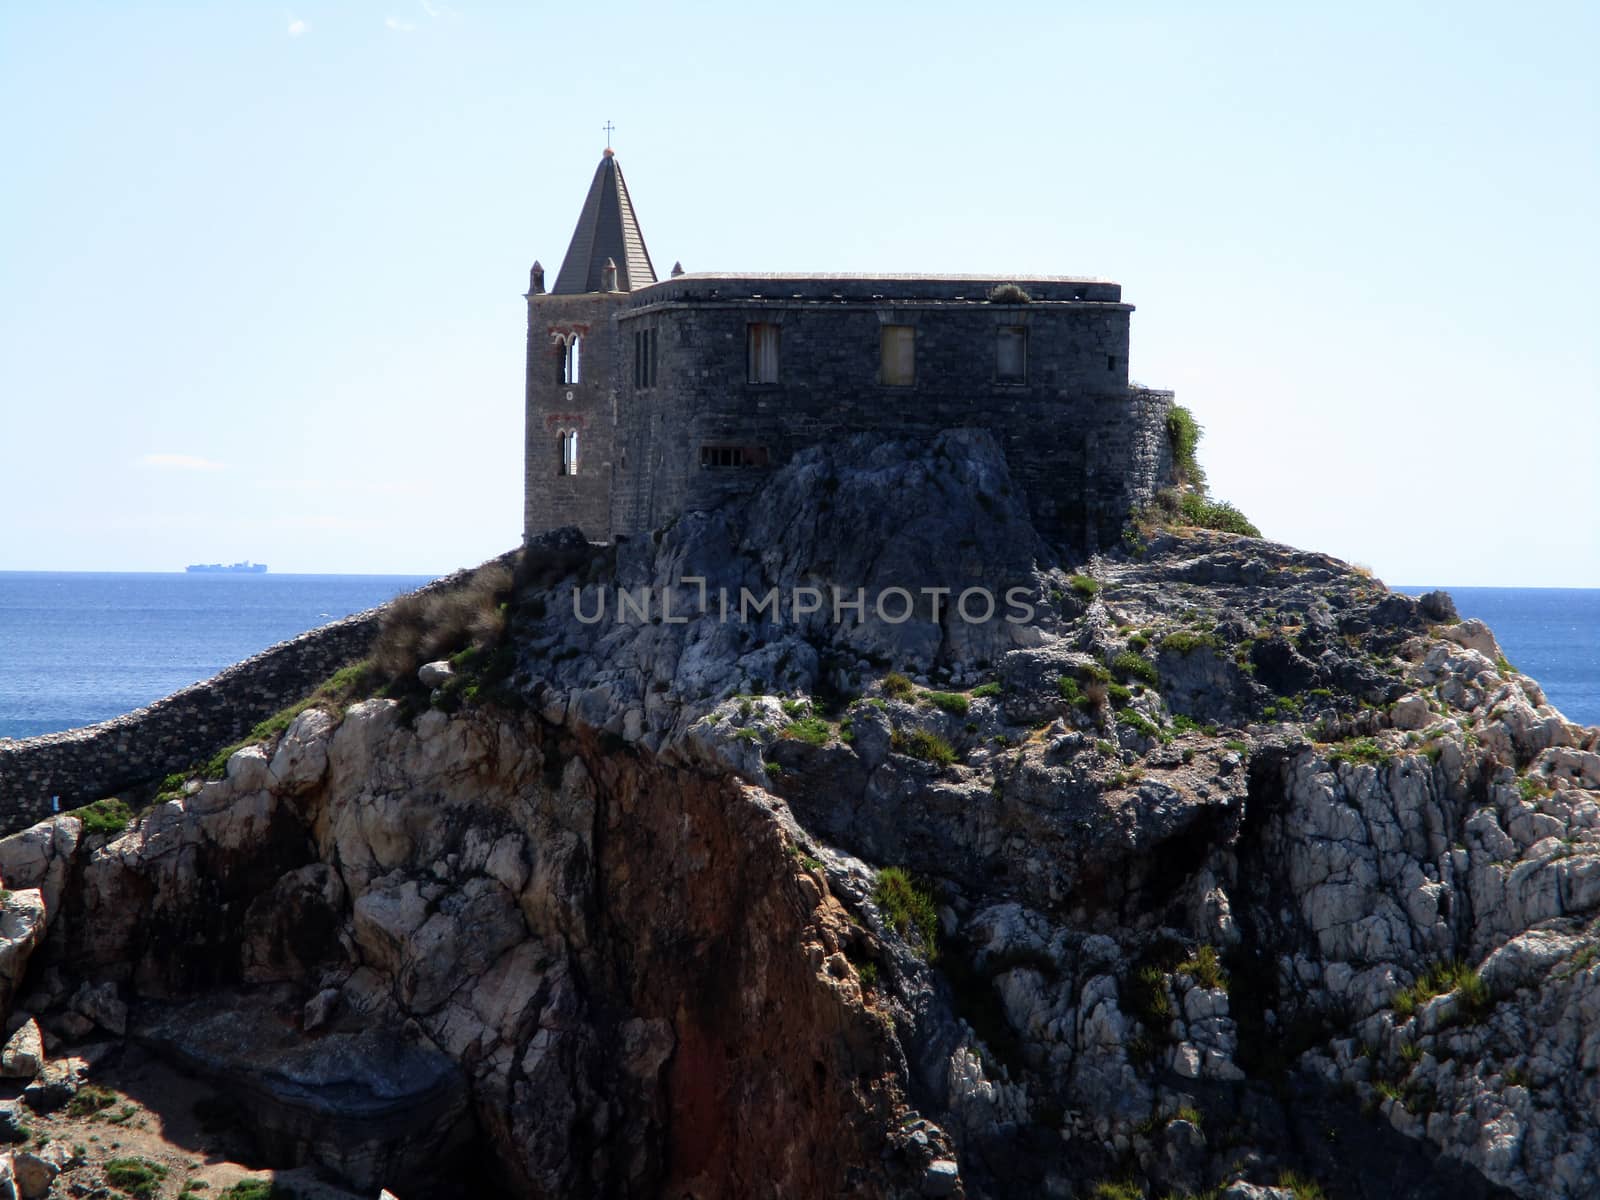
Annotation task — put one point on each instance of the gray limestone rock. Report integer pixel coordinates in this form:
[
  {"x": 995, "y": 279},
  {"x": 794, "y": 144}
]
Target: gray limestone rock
[{"x": 23, "y": 1054}]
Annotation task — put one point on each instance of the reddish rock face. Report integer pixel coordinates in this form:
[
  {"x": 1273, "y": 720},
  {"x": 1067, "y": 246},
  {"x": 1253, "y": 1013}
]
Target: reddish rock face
[{"x": 639, "y": 984}]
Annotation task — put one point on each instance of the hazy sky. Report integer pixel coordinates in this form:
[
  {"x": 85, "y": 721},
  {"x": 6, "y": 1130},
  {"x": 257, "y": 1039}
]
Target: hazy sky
[{"x": 261, "y": 267}]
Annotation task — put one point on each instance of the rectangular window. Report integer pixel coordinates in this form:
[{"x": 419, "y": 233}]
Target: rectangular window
[
  {"x": 733, "y": 456},
  {"x": 644, "y": 358},
  {"x": 761, "y": 353},
  {"x": 1011, "y": 354},
  {"x": 898, "y": 344}
]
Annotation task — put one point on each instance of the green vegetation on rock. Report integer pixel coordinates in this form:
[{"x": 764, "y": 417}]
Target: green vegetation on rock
[
  {"x": 920, "y": 743},
  {"x": 908, "y": 907},
  {"x": 109, "y": 816}
]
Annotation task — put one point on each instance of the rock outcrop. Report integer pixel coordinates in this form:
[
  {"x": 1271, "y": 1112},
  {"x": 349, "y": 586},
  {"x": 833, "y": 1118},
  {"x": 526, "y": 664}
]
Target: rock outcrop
[{"x": 1228, "y": 869}]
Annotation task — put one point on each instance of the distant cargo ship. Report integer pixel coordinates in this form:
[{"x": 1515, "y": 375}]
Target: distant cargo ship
[{"x": 238, "y": 568}]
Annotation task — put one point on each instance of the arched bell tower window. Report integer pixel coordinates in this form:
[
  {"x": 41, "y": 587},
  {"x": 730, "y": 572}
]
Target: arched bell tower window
[
  {"x": 568, "y": 442},
  {"x": 571, "y": 365}
]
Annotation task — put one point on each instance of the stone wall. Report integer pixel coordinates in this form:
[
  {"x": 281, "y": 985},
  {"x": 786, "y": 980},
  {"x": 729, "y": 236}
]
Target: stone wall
[
  {"x": 78, "y": 766},
  {"x": 551, "y": 499},
  {"x": 1084, "y": 445}
]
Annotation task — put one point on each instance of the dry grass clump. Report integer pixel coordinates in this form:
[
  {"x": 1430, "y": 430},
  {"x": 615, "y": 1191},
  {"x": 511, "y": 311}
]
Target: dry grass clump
[{"x": 426, "y": 626}]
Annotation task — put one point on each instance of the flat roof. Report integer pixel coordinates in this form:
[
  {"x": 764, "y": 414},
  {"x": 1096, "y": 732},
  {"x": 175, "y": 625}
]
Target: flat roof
[{"x": 858, "y": 276}]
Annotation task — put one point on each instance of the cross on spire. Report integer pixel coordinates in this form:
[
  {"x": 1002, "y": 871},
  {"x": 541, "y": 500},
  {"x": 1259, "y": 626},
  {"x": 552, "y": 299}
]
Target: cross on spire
[{"x": 608, "y": 127}]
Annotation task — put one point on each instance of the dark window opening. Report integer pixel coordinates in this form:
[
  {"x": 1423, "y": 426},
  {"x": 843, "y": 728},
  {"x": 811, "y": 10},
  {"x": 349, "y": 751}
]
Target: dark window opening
[
  {"x": 733, "y": 456},
  {"x": 1011, "y": 354},
  {"x": 898, "y": 349},
  {"x": 644, "y": 358},
  {"x": 761, "y": 353},
  {"x": 1111, "y": 362}
]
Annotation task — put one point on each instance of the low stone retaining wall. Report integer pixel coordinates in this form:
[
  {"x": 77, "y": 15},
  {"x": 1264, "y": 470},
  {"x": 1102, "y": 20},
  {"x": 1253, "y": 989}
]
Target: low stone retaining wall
[{"x": 77, "y": 766}]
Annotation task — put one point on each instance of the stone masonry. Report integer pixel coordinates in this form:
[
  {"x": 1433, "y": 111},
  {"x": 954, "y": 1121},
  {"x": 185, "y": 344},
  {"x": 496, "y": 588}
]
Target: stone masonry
[
  {"x": 675, "y": 408},
  {"x": 78, "y": 766}
]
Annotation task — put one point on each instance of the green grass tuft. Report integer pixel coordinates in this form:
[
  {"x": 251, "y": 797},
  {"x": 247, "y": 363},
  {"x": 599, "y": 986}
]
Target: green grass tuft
[
  {"x": 1360, "y": 750},
  {"x": 1216, "y": 514},
  {"x": 814, "y": 731},
  {"x": 1439, "y": 980},
  {"x": 1184, "y": 641},
  {"x": 920, "y": 743},
  {"x": 138, "y": 1177},
  {"x": 908, "y": 906},
  {"x": 950, "y": 702},
  {"x": 109, "y": 816},
  {"x": 1135, "y": 666},
  {"x": 1085, "y": 585},
  {"x": 1206, "y": 968}
]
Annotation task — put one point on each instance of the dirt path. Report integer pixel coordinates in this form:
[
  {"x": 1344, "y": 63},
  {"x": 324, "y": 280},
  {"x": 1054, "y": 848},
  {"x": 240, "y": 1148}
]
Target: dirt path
[{"x": 140, "y": 1128}]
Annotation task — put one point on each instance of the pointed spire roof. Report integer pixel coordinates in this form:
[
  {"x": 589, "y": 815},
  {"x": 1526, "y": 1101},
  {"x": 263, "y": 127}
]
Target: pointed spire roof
[{"x": 606, "y": 229}]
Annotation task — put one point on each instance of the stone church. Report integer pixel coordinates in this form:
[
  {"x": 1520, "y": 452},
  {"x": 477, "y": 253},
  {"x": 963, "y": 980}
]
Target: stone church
[{"x": 649, "y": 397}]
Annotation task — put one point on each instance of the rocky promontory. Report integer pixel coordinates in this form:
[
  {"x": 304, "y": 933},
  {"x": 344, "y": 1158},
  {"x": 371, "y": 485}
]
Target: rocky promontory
[{"x": 942, "y": 865}]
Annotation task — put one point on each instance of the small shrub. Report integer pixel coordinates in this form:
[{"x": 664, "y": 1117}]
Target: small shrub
[
  {"x": 256, "y": 1189},
  {"x": 109, "y": 816},
  {"x": 1299, "y": 1186},
  {"x": 1237, "y": 746},
  {"x": 426, "y": 626},
  {"x": 1439, "y": 980},
  {"x": 868, "y": 971},
  {"x": 138, "y": 1177},
  {"x": 1140, "y": 724},
  {"x": 1008, "y": 293},
  {"x": 908, "y": 906},
  {"x": 1184, "y": 641},
  {"x": 986, "y": 690},
  {"x": 1138, "y": 641},
  {"x": 1183, "y": 433},
  {"x": 90, "y": 1100},
  {"x": 1136, "y": 666},
  {"x": 1149, "y": 998},
  {"x": 1215, "y": 514},
  {"x": 795, "y": 709},
  {"x": 1360, "y": 750},
  {"x": 1069, "y": 689},
  {"x": 1206, "y": 968},
  {"x": 1118, "y": 695},
  {"x": 1123, "y": 1189},
  {"x": 898, "y": 686},
  {"x": 814, "y": 731},
  {"x": 1530, "y": 788},
  {"x": 1093, "y": 672},
  {"x": 950, "y": 702},
  {"x": 1085, "y": 585},
  {"x": 920, "y": 743}
]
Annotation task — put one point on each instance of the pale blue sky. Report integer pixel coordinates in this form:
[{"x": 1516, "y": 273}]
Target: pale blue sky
[{"x": 260, "y": 266}]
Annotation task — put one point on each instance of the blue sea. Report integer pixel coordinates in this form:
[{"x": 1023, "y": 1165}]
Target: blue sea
[
  {"x": 76, "y": 648},
  {"x": 1552, "y": 634}
]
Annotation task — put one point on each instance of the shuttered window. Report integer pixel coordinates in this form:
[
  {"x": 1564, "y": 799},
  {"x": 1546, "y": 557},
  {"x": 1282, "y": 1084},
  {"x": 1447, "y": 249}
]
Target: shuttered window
[
  {"x": 644, "y": 358},
  {"x": 899, "y": 355},
  {"x": 1011, "y": 354},
  {"x": 761, "y": 353}
]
